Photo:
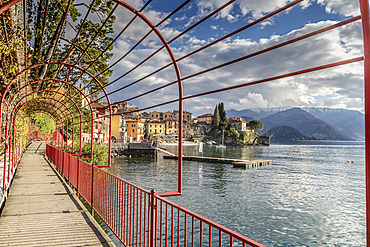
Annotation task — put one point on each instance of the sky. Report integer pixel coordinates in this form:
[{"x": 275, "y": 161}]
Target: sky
[{"x": 339, "y": 87}]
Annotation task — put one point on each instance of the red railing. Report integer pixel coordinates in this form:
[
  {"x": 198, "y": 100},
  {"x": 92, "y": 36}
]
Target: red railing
[{"x": 139, "y": 217}]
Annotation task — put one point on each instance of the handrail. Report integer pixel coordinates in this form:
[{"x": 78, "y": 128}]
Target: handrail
[{"x": 139, "y": 217}]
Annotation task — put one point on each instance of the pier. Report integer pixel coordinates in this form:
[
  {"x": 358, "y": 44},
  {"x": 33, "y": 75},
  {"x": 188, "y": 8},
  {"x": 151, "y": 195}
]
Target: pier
[
  {"x": 235, "y": 162},
  {"x": 41, "y": 210}
]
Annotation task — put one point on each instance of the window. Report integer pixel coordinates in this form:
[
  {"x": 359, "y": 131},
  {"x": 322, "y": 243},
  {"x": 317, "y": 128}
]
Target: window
[
  {"x": 132, "y": 125},
  {"x": 160, "y": 131},
  {"x": 155, "y": 126},
  {"x": 133, "y": 130},
  {"x": 150, "y": 131}
]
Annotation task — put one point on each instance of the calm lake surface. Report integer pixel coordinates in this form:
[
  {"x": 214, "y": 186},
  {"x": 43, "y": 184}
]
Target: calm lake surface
[{"x": 309, "y": 196}]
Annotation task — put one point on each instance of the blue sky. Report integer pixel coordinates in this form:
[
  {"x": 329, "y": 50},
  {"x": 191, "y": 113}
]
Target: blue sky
[{"x": 340, "y": 87}]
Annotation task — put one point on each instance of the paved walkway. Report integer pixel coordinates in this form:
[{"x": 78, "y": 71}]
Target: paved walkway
[{"x": 42, "y": 211}]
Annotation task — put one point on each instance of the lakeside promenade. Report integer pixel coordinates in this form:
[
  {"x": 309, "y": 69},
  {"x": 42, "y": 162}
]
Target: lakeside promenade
[{"x": 41, "y": 210}]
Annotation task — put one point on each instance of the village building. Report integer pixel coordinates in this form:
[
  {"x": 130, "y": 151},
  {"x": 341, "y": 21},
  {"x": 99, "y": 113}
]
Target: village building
[
  {"x": 155, "y": 127},
  {"x": 187, "y": 116},
  {"x": 238, "y": 123},
  {"x": 155, "y": 115},
  {"x": 135, "y": 129},
  {"x": 171, "y": 127},
  {"x": 206, "y": 118},
  {"x": 101, "y": 121}
]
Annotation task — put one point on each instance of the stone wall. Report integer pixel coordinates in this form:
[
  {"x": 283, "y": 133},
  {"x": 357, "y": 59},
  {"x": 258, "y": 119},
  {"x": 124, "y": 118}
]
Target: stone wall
[{"x": 122, "y": 150}]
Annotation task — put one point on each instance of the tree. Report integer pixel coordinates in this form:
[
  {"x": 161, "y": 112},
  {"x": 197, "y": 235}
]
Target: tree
[
  {"x": 255, "y": 125},
  {"x": 234, "y": 133},
  {"x": 243, "y": 136},
  {"x": 87, "y": 39},
  {"x": 224, "y": 122},
  {"x": 45, "y": 123},
  {"x": 222, "y": 112},
  {"x": 11, "y": 46},
  {"x": 216, "y": 119},
  {"x": 100, "y": 152}
]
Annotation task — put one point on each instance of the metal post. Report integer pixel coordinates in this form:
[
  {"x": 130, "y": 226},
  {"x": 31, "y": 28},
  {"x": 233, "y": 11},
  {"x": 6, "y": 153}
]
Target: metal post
[
  {"x": 92, "y": 189},
  {"x": 364, "y": 5},
  {"x": 78, "y": 176},
  {"x": 153, "y": 207}
]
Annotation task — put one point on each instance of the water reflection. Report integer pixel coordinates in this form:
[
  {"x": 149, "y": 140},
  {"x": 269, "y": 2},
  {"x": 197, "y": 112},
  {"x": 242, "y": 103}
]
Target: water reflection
[{"x": 309, "y": 196}]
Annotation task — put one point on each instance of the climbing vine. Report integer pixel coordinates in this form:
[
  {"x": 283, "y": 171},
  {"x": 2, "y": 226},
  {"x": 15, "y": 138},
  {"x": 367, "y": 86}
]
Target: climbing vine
[
  {"x": 11, "y": 42},
  {"x": 21, "y": 127}
]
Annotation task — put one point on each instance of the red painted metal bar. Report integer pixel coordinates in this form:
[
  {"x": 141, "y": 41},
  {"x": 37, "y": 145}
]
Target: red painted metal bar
[
  {"x": 91, "y": 4},
  {"x": 179, "y": 82},
  {"x": 7, "y": 5},
  {"x": 32, "y": 100},
  {"x": 8, "y": 147},
  {"x": 138, "y": 210},
  {"x": 243, "y": 58},
  {"x": 64, "y": 95},
  {"x": 64, "y": 17},
  {"x": 353, "y": 60},
  {"x": 143, "y": 38},
  {"x": 96, "y": 34},
  {"x": 44, "y": 110},
  {"x": 25, "y": 35},
  {"x": 112, "y": 42},
  {"x": 212, "y": 43},
  {"x": 93, "y": 78},
  {"x": 43, "y": 28},
  {"x": 175, "y": 38},
  {"x": 364, "y": 6}
]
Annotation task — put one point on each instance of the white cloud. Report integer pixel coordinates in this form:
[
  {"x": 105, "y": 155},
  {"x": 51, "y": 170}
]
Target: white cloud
[
  {"x": 340, "y": 86},
  {"x": 343, "y": 7}
]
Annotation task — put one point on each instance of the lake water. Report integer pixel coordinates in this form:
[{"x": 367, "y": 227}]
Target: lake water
[{"x": 309, "y": 196}]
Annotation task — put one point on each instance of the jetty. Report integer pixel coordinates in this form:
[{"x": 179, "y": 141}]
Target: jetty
[
  {"x": 42, "y": 210},
  {"x": 237, "y": 163}
]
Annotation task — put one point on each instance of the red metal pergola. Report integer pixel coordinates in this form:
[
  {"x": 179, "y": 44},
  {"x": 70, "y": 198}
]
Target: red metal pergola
[{"x": 16, "y": 98}]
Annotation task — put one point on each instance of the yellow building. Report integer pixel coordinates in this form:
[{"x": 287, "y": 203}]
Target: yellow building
[
  {"x": 171, "y": 127},
  {"x": 155, "y": 127},
  {"x": 116, "y": 126}
]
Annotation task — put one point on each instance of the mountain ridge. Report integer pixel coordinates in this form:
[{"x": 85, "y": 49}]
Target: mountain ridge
[{"x": 349, "y": 123}]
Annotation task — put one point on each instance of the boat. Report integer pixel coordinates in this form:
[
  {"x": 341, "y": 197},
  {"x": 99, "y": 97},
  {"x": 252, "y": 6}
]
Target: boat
[{"x": 222, "y": 146}]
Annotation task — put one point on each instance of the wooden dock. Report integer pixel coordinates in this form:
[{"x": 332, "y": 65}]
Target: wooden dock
[
  {"x": 238, "y": 163},
  {"x": 41, "y": 210}
]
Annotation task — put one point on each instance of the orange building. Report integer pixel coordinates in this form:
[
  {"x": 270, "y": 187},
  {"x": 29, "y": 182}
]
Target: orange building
[{"x": 135, "y": 129}]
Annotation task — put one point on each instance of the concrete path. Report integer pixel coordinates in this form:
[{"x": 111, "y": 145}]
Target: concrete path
[{"x": 42, "y": 211}]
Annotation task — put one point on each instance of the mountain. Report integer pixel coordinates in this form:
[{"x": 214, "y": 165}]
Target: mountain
[
  {"x": 305, "y": 123},
  {"x": 255, "y": 113},
  {"x": 244, "y": 113},
  {"x": 349, "y": 123},
  {"x": 285, "y": 133}
]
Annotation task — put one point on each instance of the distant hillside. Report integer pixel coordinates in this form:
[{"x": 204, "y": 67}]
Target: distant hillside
[
  {"x": 285, "y": 133},
  {"x": 305, "y": 123},
  {"x": 244, "y": 113},
  {"x": 349, "y": 123}
]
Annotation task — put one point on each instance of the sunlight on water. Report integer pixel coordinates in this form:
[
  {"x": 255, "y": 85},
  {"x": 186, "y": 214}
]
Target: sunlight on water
[{"x": 309, "y": 196}]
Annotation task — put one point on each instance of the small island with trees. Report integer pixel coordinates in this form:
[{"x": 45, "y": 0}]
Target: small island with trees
[{"x": 246, "y": 134}]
